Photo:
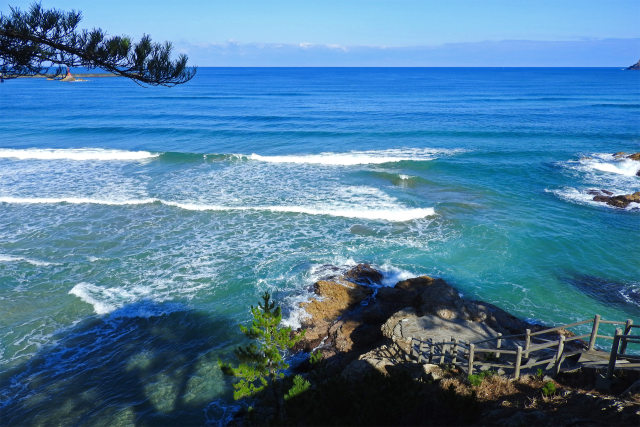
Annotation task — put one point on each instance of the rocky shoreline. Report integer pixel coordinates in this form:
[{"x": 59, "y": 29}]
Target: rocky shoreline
[
  {"x": 621, "y": 201},
  {"x": 354, "y": 315},
  {"x": 364, "y": 330}
]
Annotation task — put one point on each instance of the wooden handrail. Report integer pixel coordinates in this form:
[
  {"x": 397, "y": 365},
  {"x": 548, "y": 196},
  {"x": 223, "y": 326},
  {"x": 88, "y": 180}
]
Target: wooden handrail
[
  {"x": 460, "y": 353},
  {"x": 557, "y": 328}
]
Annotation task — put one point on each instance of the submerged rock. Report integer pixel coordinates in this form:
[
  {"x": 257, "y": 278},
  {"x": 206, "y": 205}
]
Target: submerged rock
[
  {"x": 364, "y": 274},
  {"x": 619, "y": 201}
]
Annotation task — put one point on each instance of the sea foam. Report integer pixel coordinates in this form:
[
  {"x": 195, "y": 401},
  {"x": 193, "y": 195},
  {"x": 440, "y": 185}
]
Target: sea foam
[
  {"x": 10, "y": 258},
  {"x": 608, "y": 163},
  {"x": 582, "y": 197},
  {"x": 355, "y": 157},
  {"x": 77, "y": 154},
  {"x": 392, "y": 214}
]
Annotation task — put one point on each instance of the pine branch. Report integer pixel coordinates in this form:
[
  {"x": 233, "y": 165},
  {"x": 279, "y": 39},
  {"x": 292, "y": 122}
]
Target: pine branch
[{"x": 34, "y": 41}]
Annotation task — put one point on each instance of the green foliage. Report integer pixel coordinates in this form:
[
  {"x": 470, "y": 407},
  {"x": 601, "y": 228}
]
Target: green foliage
[
  {"x": 315, "y": 357},
  {"x": 263, "y": 361},
  {"x": 539, "y": 373},
  {"x": 30, "y": 42},
  {"x": 549, "y": 389},
  {"x": 476, "y": 379},
  {"x": 300, "y": 385}
]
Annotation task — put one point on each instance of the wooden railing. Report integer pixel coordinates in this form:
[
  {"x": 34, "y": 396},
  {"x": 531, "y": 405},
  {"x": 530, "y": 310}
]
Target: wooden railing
[{"x": 512, "y": 350}]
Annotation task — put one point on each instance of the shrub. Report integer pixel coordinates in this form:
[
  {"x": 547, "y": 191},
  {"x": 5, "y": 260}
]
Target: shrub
[
  {"x": 549, "y": 389},
  {"x": 262, "y": 362},
  {"x": 315, "y": 357},
  {"x": 476, "y": 379},
  {"x": 300, "y": 385}
]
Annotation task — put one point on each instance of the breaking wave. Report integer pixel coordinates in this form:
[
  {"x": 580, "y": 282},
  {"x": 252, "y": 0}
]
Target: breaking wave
[
  {"x": 352, "y": 158},
  {"x": 76, "y": 154},
  {"x": 392, "y": 214}
]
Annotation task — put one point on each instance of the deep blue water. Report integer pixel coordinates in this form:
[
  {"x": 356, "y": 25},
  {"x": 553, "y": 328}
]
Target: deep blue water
[{"x": 137, "y": 225}]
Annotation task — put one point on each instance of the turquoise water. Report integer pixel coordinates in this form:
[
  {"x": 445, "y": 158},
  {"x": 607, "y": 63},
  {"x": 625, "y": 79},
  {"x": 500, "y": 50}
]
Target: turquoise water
[{"x": 137, "y": 225}]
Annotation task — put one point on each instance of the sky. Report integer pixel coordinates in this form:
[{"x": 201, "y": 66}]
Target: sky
[{"x": 376, "y": 32}]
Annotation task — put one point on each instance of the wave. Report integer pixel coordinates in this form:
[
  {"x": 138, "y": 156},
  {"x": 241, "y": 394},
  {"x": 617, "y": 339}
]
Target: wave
[
  {"x": 355, "y": 157},
  {"x": 120, "y": 302},
  {"x": 74, "y": 201},
  {"x": 582, "y": 197},
  {"x": 77, "y": 154},
  {"x": 610, "y": 164},
  {"x": 10, "y": 258},
  {"x": 391, "y": 214}
]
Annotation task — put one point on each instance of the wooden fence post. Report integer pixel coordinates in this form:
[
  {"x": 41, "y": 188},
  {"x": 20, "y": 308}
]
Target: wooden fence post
[
  {"x": 559, "y": 353},
  {"x": 516, "y": 374},
  {"x": 454, "y": 351},
  {"x": 594, "y": 332},
  {"x": 527, "y": 343},
  {"x": 499, "y": 345},
  {"x": 614, "y": 353},
  {"x": 472, "y": 350},
  {"x": 443, "y": 353},
  {"x": 627, "y": 331},
  {"x": 430, "y": 342}
]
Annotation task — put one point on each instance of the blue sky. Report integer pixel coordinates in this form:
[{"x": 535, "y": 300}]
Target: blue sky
[{"x": 378, "y": 32}]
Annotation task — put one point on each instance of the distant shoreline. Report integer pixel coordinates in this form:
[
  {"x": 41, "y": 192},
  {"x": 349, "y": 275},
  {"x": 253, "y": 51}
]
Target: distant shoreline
[{"x": 79, "y": 75}]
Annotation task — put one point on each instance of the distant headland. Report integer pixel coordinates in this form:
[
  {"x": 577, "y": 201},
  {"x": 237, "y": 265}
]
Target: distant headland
[{"x": 635, "y": 66}]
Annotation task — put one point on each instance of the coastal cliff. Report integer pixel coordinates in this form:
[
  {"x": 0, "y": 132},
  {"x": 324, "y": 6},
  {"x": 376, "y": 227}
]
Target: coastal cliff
[
  {"x": 635, "y": 66},
  {"x": 363, "y": 330}
]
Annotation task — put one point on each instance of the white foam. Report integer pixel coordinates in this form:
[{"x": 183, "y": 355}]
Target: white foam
[
  {"x": 582, "y": 197},
  {"x": 9, "y": 258},
  {"x": 355, "y": 157},
  {"x": 74, "y": 200},
  {"x": 392, "y": 214},
  {"x": 121, "y": 302},
  {"x": 404, "y": 177},
  {"x": 610, "y": 164},
  {"x": 77, "y": 154},
  {"x": 392, "y": 275},
  {"x": 572, "y": 195},
  {"x": 103, "y": 300}
]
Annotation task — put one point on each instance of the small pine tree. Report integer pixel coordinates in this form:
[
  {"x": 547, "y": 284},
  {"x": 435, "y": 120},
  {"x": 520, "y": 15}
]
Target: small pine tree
[{"x": 263, "y": 361}]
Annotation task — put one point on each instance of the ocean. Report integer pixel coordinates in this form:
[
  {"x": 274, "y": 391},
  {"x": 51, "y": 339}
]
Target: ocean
[{"x": 138, "y": 225}]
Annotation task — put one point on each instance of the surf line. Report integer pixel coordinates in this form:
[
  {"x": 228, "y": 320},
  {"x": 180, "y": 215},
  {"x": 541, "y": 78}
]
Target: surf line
[{"x": 399, "y": 214}]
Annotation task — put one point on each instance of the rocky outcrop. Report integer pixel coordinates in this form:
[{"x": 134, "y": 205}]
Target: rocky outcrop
[
  {"x": 635, "y": 66},
  {"x": 619, "y": 201},
  {"x": 353, "y": 315},
  {"x": 634, "y": 156}
]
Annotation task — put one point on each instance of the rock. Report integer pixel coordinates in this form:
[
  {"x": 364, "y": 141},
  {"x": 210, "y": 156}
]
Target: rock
[
  {"x": 404, "y": 325},
  {"x": 599, "y": 192},
  {"x": 364, "y": 274},
  {"x": 336, "y": 297},
  {"x": 634, "y": 156},
  {"x": 635, "y": 66},
  {"x": 619, "y": 154},
  {"x": 433, "y": 372},
  {"x": 378, "y": 359},
  {"x": 619, "y": 201}
]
